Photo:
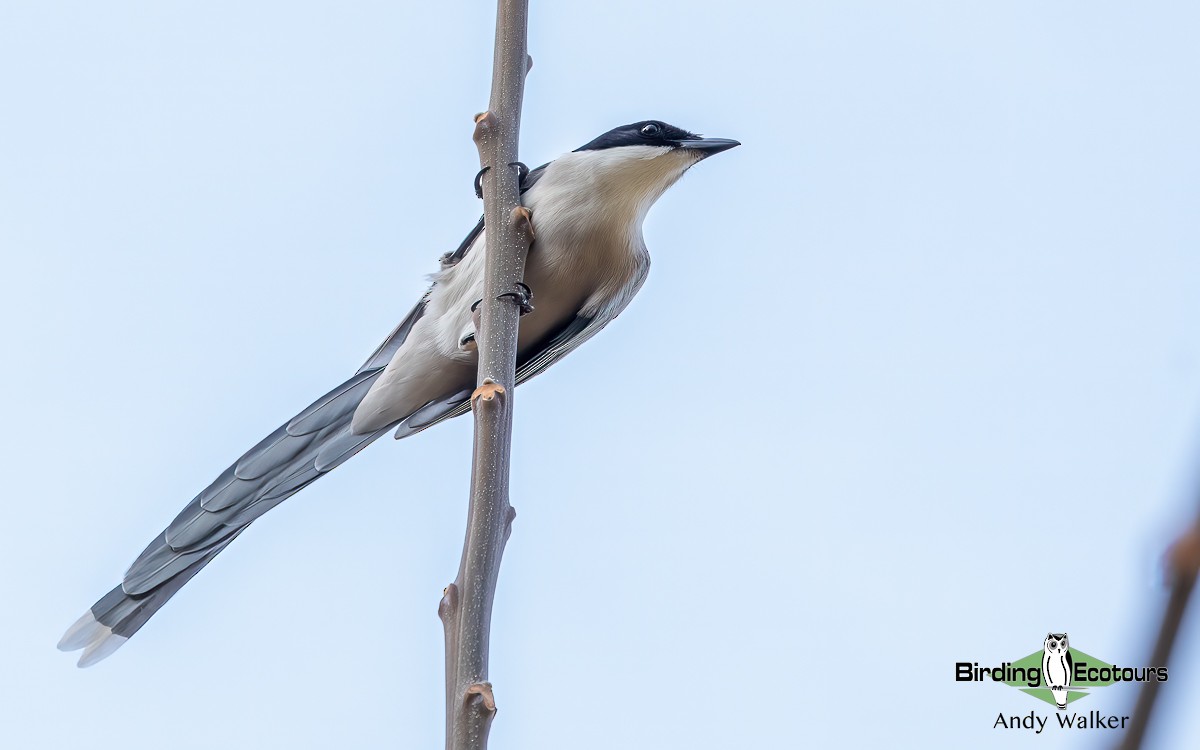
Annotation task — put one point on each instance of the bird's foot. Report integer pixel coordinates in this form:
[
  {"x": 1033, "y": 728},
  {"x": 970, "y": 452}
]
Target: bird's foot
[
  {"x": 522, "y": 173},
  {"x": 522, "y": 297}
]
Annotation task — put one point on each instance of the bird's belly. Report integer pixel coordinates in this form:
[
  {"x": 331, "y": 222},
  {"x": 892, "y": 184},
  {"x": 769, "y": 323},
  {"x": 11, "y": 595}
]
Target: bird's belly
[
  {"x": 555, "y": 303},
  {"x": 431, "y": 364}
]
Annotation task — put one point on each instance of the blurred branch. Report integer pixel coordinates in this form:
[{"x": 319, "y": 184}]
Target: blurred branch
[
  {"x": 1183, "y": 564},
  {"x": 466, "y": 607}
]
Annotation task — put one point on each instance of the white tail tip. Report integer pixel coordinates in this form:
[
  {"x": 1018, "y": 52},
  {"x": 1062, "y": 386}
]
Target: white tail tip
[{"x": 96, "y": 640}]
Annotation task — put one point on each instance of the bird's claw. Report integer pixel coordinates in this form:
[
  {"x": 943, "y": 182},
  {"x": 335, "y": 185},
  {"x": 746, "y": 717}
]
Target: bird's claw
[
  {"x": 522, "y": 173},
  {"x": 479, "y": 182},
  {"x": 522, "y": 297}
]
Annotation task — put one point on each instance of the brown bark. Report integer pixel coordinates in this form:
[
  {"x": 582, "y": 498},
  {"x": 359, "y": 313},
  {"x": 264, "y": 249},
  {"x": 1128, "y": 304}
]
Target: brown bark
[{"x": 466, "y": 607}]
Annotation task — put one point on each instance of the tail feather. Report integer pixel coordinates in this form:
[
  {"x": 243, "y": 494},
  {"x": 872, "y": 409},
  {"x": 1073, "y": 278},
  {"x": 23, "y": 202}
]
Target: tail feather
[
  {"x": 332, "y": 408},
  {"x": 159, "y": 562},
  {"x": 118, "y": 615},
  {"x": 312, "y": 444},
  {"x": 267, "y": 460}
]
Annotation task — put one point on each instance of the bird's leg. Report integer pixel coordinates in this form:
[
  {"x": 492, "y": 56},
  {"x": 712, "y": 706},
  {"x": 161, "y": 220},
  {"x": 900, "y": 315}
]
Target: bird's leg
[{"x": 522, "y": 297}]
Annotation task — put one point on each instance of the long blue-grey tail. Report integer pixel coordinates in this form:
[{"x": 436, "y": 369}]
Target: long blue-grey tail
[{"x": 313, "y": 443}]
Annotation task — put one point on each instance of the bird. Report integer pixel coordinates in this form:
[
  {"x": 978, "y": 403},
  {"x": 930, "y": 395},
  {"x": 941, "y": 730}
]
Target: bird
[
  {"x": 1057, "y": 667},
  {"x": 587, "y": 261}
]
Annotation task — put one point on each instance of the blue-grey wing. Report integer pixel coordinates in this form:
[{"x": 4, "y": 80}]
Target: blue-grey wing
[{"x": 384, "y": 353}]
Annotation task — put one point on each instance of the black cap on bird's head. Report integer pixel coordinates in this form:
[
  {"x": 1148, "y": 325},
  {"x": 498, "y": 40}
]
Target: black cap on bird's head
[{"x": 658, "y": 133}]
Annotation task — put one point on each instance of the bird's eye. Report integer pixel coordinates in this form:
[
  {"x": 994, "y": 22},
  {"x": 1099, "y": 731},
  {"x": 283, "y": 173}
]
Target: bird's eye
[{"x": 651, "y": 129}]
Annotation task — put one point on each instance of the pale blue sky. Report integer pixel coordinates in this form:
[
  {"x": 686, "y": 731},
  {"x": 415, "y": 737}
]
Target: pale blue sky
[{"x": 915, "y": 377}]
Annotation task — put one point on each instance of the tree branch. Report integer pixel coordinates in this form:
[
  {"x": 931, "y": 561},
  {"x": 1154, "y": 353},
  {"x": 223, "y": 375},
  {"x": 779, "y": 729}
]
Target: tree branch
[
  {"x": 1183, "y": 564},
  {"x": 466, "y": 607}
]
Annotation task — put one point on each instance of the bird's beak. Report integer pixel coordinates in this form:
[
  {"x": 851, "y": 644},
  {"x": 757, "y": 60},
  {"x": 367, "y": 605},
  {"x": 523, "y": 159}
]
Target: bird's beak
[{"x": 708, "y": 146}]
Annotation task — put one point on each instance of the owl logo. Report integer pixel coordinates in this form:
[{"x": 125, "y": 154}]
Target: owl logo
[{"x": 1057, "y": 667}]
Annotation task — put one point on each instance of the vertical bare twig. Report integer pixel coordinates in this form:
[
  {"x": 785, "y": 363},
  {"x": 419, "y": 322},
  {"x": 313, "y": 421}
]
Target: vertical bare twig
[
  {"x": 1183, "y": 563},
  {"x": 466, "y": 607}
]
